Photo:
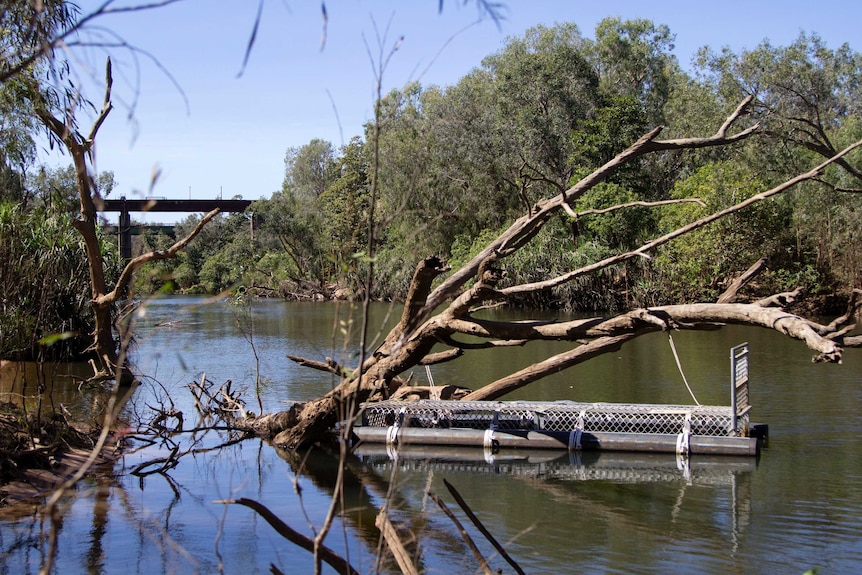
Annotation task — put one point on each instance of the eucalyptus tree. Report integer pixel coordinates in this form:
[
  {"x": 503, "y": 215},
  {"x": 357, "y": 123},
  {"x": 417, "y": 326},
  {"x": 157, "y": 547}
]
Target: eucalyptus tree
[
  {"x": 36, "y": 65},
  {"x": 807, "y": 97},
  {"x": 23, "y": 34},
  {"x": 544, "y": 86},
  {"x": 442, "y": 314},
  {"x": 806, "y": 94},
  {"x": 344, "y": 207},
  {"x": 634, "y": 59},
  {"x": 461, "y": 161},
  {"x": 416, "y": 207},
  {"x": 292, "y": 223},
  {"x": 31, "y": 31}
]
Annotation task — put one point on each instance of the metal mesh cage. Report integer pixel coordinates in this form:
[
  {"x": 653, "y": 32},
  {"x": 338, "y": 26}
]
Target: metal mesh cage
[{"x": 555, "y": 416}]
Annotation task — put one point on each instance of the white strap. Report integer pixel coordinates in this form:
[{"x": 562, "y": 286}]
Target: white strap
[
  {"x": 683, "y": 440},
  {"x": 489, "y": 439},
  {"x": 575, "y": 439},
  {"x": 392, "y": 434},
  {"x": 392, "y": 430}
]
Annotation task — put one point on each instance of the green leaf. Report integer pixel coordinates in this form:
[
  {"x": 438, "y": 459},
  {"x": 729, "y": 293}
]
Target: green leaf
[{"x": 53, "y": 338}]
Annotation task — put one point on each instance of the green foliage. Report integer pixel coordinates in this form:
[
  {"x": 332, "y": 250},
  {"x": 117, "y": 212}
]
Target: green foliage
[
  {"x": 555, "y": 252},
  {"x": 618, "y": 123},
  {"x": 635, "y": 61},
  {"x": 44, "y": 285},
  {"x": 44, "y": 279},
  {"x": 807, "y": 100},
  {"x": 28, "y": 27},
  {"x": 308, "y": 169},
  {"x": 158, "y": 276},
  {"x": 619, "y": 229},
  {"x": 804, "y": 92},
  {"x": 344, "y": 207},
  {"x": 543, "y": 85},
  {"x": 459, "y": 163},
  {"x": 697, "y": 266}
]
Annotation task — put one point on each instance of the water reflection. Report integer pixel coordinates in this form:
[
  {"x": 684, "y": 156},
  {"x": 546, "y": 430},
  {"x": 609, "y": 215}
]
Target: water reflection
[
  {"x": 562, "y": 465},
  {"x": 50, "y": 385},
  {"x": 798, "y": 507}
]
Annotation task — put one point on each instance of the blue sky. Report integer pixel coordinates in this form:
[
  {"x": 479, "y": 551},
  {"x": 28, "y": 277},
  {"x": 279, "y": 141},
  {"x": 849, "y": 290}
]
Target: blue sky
[{"x": 223, "y": 134}]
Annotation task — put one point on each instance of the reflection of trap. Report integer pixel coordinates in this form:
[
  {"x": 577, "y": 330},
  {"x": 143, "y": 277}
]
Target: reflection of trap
[
  {"x": 548, "y": 464},
  {"x": 682, "y": 429}
]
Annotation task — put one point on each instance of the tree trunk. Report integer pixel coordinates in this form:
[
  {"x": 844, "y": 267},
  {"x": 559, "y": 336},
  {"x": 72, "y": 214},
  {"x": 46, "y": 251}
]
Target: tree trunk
[{"x": 424, "y": 325}]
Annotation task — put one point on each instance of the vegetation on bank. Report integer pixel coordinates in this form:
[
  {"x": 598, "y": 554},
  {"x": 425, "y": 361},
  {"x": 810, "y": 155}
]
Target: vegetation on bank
[
  {"x": 44, "y": 281},
  {"x": 461, "y": 161},
  {"x": 458, "y": 163}
]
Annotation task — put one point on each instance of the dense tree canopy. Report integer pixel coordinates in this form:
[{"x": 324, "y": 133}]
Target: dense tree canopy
[{"x": 462, "y": 161}]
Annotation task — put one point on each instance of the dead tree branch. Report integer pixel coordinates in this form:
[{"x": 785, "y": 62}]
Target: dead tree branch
[
  {"x": 483, "y": 563},
  {"x": 481, "y": 527},
  {"x": 329, "y": 556},
  {"x": 649, "y": 246},
  {"x": 393, "y": 541},
  {"x": 640, "y": 203},
  {"x": 526, "y": 227},
  {"x": 732, "y": 290},
  {"x": 155, "y": 255}
]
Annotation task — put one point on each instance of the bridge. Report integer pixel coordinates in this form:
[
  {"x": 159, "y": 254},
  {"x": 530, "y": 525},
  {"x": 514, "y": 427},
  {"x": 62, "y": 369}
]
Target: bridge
[{"x": 125, "y": 206}]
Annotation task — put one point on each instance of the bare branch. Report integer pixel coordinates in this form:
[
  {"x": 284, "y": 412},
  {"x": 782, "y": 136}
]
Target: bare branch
[
  {"x": 649, "y": 246},
  {"x": 135, "y": 263},
  {"x": 684, "y": 316},
  {"x": 853, "y": 306},
  {"x": 554, "y": 364},
  {"x": 464, "y": 535},
  {"x": 596, "y": 211},
  {"x": 485, "y": 344},
  {"x": 331, "y": 558},
  {"x": 106, "y": 106},
  {"x": 393, "y": 541},
  {"x": 441, "y": 357},
  {"x": 329, "y": 366},
  {"x": 732, "y": 291},
  {"x": 781, "y": 300},
  {"x": 525, "y": 227},
  {"x": 612, "y": 333},
  {"x": 481, "y": 527}
]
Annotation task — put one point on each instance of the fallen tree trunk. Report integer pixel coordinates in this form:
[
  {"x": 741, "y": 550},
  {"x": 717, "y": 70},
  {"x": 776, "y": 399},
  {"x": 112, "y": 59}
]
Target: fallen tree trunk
[
  {"x": 311, "y": 421},
  {"x": 426, "y": 322}
]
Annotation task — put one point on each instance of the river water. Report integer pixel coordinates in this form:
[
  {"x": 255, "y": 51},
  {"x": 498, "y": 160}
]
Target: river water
[{"x": 796, "y": 507}]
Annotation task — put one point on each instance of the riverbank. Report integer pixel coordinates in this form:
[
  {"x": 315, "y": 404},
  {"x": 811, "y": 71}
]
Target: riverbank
[{"x": 38, "y": 454}]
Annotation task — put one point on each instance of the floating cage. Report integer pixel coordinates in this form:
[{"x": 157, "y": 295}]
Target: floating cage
[
  {"x": 557, "y": 416},
  {"x": 684, "y": 429}
]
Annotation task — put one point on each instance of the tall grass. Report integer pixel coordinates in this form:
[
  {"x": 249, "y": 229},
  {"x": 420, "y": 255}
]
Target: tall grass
[{"x": 44, "y": 286}]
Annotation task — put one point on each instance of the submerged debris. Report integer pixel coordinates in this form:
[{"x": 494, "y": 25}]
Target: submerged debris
[{"x": 38, "y": 453}]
